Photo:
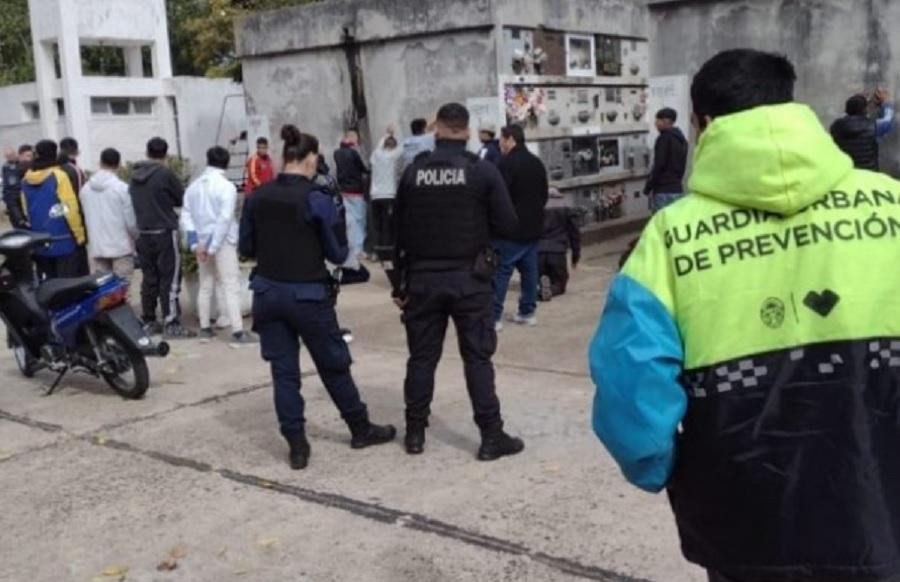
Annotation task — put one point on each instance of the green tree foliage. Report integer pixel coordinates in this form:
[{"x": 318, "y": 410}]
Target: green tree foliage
[
  {"x": 201, "y": 34},
  {"x": 16, "y": 59}
]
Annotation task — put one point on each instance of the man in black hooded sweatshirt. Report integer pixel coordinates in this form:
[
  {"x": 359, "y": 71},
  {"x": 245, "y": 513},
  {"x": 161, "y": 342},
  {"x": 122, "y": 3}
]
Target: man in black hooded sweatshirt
[
  {"x": 666, "y": 181},
  {"x": 155, "y": 193}
]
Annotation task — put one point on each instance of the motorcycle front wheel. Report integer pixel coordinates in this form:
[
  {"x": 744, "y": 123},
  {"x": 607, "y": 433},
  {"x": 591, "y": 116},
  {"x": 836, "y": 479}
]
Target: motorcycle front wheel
[{"x": 125, "y": 370}]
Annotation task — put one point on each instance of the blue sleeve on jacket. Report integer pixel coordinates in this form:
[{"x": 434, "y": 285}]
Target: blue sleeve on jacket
[
  {"x": 322, "y": 211},
  {"x": 247, "y": 236},
  {"x": 636, "y": 359},
  {"x": 885, "y": 123}
]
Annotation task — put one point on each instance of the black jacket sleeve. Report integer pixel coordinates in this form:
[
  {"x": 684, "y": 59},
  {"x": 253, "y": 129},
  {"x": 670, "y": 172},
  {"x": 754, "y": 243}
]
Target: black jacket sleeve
[
  {"x": 660, "y": 161},
  {"x": 247, "y": 236},
  {"x": 176, "y": 190},
  {"x": 502, "y": 211}
]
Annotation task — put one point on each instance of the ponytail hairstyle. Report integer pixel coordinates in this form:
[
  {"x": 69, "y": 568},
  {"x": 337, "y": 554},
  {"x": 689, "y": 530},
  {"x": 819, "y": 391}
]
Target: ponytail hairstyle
[{"x": 297, "y": 146}]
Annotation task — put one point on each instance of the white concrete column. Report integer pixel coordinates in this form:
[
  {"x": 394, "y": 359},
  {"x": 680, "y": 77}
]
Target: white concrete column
[
  {"x": 162, "y": 58},
  {"x": 134, "y": 61},
  {"x": 45, "y": 77},
  {"x": 77, "y": 100}
]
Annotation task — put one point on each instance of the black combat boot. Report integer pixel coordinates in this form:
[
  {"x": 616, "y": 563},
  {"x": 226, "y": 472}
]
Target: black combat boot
[
  {"x": 367, "y": 434},
  {"x": 495, "y": 444},
  {"x": 415, "y": 437},
  {"x": 299, "y": 455}
]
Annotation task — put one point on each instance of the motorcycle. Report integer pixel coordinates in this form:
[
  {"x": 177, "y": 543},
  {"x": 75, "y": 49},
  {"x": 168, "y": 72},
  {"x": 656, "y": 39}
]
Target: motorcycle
[{"x": 71, "y": 325}]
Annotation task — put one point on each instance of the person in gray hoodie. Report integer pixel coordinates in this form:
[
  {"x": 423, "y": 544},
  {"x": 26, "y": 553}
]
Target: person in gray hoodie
[
  {"x": 156, "y": 192},
  {"x": 109, "y": 217}
]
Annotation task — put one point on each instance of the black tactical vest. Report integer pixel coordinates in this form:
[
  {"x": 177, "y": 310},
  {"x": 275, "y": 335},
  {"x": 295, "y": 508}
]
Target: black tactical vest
[
  {"x": 288, "y": 248},
  {"x": 445, "y": 216},
  {"x": 855, "y": 134}
]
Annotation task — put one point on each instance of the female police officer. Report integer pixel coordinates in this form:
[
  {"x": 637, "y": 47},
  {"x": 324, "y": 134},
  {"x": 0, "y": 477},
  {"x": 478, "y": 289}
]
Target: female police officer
[{"x": 291, "y": 228}]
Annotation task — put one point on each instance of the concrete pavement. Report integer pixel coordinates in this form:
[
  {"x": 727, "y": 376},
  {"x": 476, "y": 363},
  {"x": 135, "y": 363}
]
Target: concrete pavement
[{"x": 94, "y": 483}]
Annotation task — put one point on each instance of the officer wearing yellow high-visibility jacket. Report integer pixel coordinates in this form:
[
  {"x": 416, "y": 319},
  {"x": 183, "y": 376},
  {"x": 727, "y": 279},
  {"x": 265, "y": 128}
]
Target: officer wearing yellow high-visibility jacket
[{"x": 761, "y": 315}]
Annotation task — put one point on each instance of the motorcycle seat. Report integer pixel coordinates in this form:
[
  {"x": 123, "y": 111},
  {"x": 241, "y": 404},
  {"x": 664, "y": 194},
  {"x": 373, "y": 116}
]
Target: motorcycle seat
[{"x": 58, "y": 293}]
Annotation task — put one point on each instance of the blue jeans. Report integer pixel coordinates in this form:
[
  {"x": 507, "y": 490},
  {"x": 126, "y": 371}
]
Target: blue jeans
[
  {"x": 661, "y": 200},
  {"x": 356, "y": 225},
  {"x": 522, "y": 257}
]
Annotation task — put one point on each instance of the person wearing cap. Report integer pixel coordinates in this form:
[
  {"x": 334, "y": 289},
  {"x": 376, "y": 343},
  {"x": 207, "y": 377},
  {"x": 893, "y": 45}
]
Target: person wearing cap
[
  {"x": 490, "y": 145},
  {"x": 562, "y": 232}
]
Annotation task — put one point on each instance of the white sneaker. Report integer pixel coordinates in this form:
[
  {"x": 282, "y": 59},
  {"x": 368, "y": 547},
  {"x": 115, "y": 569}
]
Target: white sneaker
[
  {"x": 498, "y": 326},
  {"x": 529, "y": 320}
]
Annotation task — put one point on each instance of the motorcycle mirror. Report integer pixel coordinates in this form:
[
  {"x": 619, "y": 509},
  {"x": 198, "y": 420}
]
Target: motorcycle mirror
[{"x": 58, "y": 210}]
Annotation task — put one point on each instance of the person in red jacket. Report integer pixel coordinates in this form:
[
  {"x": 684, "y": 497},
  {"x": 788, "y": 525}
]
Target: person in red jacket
[{"x": 259, "y": 167}]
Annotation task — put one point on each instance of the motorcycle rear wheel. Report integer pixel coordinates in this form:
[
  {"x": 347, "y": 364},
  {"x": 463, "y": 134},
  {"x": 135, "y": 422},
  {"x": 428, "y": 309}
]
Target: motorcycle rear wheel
[
  {"x": 126, "y": 371},
  {"x": 27, "y": 365}
]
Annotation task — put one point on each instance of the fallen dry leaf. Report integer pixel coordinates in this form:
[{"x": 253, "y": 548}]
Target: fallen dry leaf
[
  {"x": 178, "y": 552},
  {"x": 111, "y": 571},
  {"x": 167, "y": 565},
  {"x": 267, "y": 542},
  {"x": 222, "y": 551}
]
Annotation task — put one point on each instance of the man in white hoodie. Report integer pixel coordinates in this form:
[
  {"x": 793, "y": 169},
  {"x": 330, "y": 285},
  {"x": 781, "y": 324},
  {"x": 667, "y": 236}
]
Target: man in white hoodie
[
  {"x": 209, "y": 217},
  {"x": 109, "y": 217}
]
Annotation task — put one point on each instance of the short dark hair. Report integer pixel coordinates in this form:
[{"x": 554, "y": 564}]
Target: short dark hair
[
  {"x": 46, "y": 151},
  {"x": 218, "y": 157},
  {"x": 68, "y": 145},
  {"x": 262, "y": 141},
  {"x": 741, "y": 79},
  {"x": 417, "y": 127},
  {"x": 514, "y": 131},
  {"x": 857, "y": 105},
  {"x": 110, "y": 157},
  {"x": 25, "y": 147},
  {"x": 454, "y": 116},
  {"x": 157, "y": 148},
  {"x": 667, "y": 113}
]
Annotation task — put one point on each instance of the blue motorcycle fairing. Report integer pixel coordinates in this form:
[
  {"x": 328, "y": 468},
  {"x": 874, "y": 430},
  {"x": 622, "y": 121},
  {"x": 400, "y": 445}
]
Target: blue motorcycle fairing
[{"x": 67, "y": 322}]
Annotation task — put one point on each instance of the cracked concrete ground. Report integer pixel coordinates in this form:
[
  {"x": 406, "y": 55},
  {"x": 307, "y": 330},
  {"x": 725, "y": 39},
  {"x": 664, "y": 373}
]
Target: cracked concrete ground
[{"x": 91, "y": 482}]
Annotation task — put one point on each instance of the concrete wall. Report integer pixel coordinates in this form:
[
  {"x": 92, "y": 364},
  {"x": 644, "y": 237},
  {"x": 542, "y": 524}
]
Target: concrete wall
[
  {"x": 618, "y": 17},
  {"x": 201, "y": 103},
  {"x": 839, "y": 47},
  {"x": 414, "y": 56},
  {"x": 12, "y": 97},
  {"x": 129, "y": 136}
]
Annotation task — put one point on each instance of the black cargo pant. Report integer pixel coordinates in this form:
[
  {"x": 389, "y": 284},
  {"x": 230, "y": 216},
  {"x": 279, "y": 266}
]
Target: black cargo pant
[
  {"x": 434, "y": 299},
  {"x": 555, "y": 266},
  {"x": 383, "y": 227},
  {"x": 282, "y": 318},
  {"x": 160, "y": 258}
]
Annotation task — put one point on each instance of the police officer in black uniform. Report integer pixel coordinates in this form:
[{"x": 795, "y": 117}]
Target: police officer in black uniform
[
  {"x": 291, "y": 227},
  {"x": 14, "y": 169},
  {"x": 448, "y": 206}
]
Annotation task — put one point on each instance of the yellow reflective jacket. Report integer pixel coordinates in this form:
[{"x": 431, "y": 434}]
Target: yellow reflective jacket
[{"x": 761, "y": 314}]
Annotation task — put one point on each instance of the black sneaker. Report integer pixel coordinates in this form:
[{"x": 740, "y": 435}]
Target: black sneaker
[
  {"x": 546, "y": 292},
  {"x": 372, "y": 434},
  {"x": 153, "y": 328},
  {"x": 499, "y": 444},
  {"x": 175, "y": 330},
  {"x": 415, "y": 439},
  {"x": 241, "y": 339},
  {"x": 299, "y": 455},
  {"x": 206, "y": 334}
]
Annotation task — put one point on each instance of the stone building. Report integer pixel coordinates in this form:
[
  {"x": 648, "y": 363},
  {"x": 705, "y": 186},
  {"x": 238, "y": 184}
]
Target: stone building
[
  {"x": 576, "y": 73},
  {"x": 123, "y": 110}
]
